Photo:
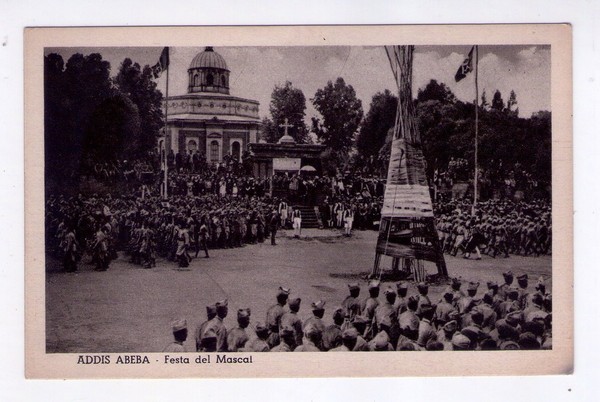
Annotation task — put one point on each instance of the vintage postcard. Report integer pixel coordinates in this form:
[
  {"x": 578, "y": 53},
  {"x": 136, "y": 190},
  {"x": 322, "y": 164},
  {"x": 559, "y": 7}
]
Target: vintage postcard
[{"x": 202, "y": 200}]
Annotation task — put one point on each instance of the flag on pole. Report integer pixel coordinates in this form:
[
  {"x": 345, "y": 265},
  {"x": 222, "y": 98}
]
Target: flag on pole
[
  {"x": 163, "y": 63},
  {"x": 466, "y": 67}
]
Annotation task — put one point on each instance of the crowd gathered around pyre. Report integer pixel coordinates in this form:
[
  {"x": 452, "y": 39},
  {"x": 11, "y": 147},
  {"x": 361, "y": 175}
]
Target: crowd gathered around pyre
[
  {"x": 499, "y": 317},
  {"x": 220, "y": 209}
]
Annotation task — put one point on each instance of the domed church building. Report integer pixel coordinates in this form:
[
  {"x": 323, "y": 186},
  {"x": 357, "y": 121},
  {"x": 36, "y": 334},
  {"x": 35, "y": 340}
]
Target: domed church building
[{"x": 208, "y": 120}]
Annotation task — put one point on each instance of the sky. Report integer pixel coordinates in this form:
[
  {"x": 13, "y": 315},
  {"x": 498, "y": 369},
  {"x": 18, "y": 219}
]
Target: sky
[{"x": 256, "y": 70}]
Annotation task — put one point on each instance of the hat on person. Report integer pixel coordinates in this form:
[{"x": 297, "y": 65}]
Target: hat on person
[
  {"x": 508, "y": 274},
  {"x": 453, "y": 315},
  {"x": 311, "y": 330},
  {"x": 318, "y": 305},
  {"x": 505, "y": 330},
  {"x": 178, "y": 324},
  {"x": 359, "y": 319},
  {"x": 353, "y": 286},
  {"x": 514, "y": 318},
  {"x": 450, "y": 326},
  {"x": 522, "y": 277},
  {"x": 380, "y": 342},
  {"x": 338, "y": 312},
  {"x": 540, "y": 284},
  {"x": 260, "y": 327},
  {"x": 488, "y": 298},
  {"x": 209, "y": 334},
  {"x": 527, "y": 340},
  {"x": 283, "y": 291},
  {"x": 401, "y": 285},
  {"x": 221, "y": 304},
  {"x": 374, "y": 284},
  {"x": 211, "y": 309},
  {"x": 473, "y": 286},
  {"x": 492, "y": 285},
  {"x": 448, "y": 292},
  {"x": 422, "y": 285},
  {"x": 389, "y": 291},
  {"x": 294, "y": 302},
  {"x": 286, "y": 330},
  {"x": 243, "y": 313},
  {"x": 350, "y": 334},
  {"x": 512, "y": 291},
  {"x": 509, "y": 345},
  {"x": 460, "y": 341}
]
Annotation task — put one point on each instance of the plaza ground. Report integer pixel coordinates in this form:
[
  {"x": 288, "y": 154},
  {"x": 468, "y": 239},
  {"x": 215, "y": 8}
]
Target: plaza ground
[{"x": 128, "y": 308}]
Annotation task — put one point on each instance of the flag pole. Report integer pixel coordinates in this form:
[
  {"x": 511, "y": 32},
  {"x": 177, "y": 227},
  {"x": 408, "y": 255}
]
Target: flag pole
[
  {"x": 167, "y": 137},
  {"x": 476, "y": 127}
]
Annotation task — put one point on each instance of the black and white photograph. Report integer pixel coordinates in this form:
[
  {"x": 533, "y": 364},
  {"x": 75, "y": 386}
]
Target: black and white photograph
[{"x": 203, "y": 202}]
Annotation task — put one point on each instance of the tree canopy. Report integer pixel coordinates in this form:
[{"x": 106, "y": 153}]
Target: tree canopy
[
  {"x": 377, "y": 122},
  {"x": 90, "y": 117},
  {"x": 286, "y": 102},
  {"x": 341, "y": 113}
]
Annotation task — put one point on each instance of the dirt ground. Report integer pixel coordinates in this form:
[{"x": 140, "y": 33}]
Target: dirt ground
[{"x": 128, "y": 309}]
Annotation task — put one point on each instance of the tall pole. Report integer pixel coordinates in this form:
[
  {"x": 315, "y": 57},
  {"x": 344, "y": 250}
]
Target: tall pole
[
  {"x": 167, "y": 139},
  {"x": 476, "y": 127}
]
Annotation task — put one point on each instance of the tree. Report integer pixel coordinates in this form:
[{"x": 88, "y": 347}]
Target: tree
[
  {"x": 498, "y": 102},
  {"x": 268, "y": 131},
  {"x": 138, "y": 85},
  {"x": 436, "y": 91},
  {"x": 71, "y": 95},
  {"x": 374, "y": 128},
  {"x": 341, "y": 112},
  {"x": 114, "y": 130},
  {"x": 289, "y": 102}
]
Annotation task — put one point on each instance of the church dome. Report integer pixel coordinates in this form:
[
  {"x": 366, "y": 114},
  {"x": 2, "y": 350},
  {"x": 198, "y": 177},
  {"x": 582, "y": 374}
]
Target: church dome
[
  {"x": 208, "y": 72},
  {"x": 209, "y": 59}
]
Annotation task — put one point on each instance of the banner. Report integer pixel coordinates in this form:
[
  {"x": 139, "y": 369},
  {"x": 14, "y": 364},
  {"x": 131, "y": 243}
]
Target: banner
[{"x": 286, "y": 164}]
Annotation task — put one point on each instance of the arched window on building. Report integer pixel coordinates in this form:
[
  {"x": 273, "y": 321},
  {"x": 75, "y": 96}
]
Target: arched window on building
[
  {"x": 209, "y": 79},
  {"x": 235, "y": 151},
  {"x": 192, "y": 145},
  {"x": 214, "y": 151}
]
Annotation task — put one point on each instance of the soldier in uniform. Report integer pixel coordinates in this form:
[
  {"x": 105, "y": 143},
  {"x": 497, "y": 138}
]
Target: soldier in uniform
[
  {"x": 523, "y": 282},
  {"x": 332, "y": 335},
  {"x": 349, "y": 337},
  {"x": 409, "y": 321},
  {"x": 444, "y": 308},
  {"x": 237, "y": 337},
  {"x": 386, "y": 313},
  {"x": 446, "y": 333},
  {"x": 422, "y": 298},
  {"x": 312, "y": 338},
  {"x": 292, "y": 320},
  {"x": 258, "y": 344},
  {"x": 426, "y": 329},
  {"x": 316, "y": 321},
  {"x": 503, "y": 289},
  {"x": 211, "y": 312},
  {"x": 288, "y": 341},
  {"x": 216, "y": 324},
  {"x": 368, "y": 306},
  {"x": 274, "y": 314},
  {"x": 360, "y": 324},
  {"x": 400, "y": 303},
  {"x": 351, "y": 304},
  {"x": 179, "y": 328}
]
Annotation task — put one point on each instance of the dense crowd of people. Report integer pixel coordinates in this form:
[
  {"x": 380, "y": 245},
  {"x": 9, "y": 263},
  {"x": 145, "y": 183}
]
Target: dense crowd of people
[
  {"x": 150, "y": 226},
  {"x": 502, "y": 317},
  {"x": 498, "y": 227}
]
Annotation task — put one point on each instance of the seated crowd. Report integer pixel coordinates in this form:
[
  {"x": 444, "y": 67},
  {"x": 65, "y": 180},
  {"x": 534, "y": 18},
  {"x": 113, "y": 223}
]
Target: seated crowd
[{"x": 504, "y": 317}]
